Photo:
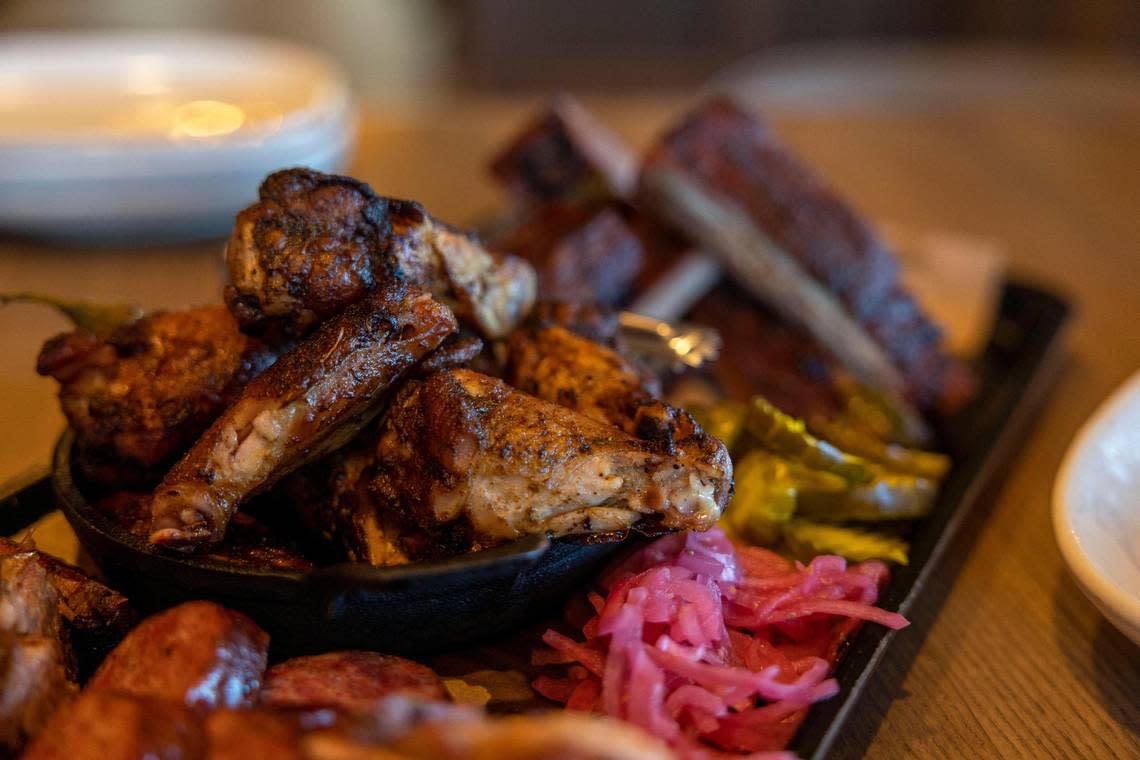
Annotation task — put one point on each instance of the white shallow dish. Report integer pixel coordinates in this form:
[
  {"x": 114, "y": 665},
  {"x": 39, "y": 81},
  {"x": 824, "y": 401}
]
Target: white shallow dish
[
  {"x": 1096, "y": 508},
  {"x": 157, "y": 136}
]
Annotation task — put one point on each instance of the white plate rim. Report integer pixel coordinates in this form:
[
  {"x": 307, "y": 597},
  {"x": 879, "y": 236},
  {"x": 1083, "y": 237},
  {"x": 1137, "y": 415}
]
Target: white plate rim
[
  {"x": 334, "y": 99},
  {"x": 1100, "y": 587}
]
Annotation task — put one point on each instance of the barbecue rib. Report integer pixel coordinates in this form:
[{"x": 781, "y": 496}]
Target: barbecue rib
[
  {"x": 464, "y": 445},
  {"x": 565, "y": 152},
  {"x": 139, "y": 397},
  {"x": 308, "y": 404},
  {"x": 315, "y": 243},
  {"x": 580, "y": 253},
  {"x": 721, "y": 178}
]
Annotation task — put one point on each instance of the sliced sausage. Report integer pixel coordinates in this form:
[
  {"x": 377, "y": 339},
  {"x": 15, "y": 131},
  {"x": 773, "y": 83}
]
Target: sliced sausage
[
  {"x": 198, "y": 654},
  {"x": 351, "y": 682}
]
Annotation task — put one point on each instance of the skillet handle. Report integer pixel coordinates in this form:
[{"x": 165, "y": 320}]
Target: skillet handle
[{"x": 25, "y": 503}]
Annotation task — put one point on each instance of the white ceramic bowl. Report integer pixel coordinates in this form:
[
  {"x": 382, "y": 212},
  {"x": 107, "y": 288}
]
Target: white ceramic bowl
[
  {"x": 157, "y": 135},
  {"x": 1096, "y": 508}
]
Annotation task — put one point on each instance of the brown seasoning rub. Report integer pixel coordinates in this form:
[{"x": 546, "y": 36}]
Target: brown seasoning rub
[
  {"x": 316, "y": 243},
  {"x": 460, "y": 445},
  {"x": 140, "y": 396},
  {"x": 308, "y": 404}
]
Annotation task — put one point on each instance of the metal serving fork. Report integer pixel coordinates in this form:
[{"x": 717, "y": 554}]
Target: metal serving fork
[
  {"x": 674, "y": 346},
  {"x": 649, "y": 328}
]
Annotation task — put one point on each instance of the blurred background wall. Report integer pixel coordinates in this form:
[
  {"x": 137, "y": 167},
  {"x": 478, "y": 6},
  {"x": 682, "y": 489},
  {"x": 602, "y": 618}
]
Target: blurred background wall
[{"x": 426, "y": 48}]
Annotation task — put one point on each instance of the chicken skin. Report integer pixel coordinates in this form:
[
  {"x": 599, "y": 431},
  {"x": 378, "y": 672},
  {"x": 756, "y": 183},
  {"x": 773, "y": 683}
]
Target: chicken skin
[
  {"x": 315, "y": 243},
  {"x": 310, "y": 403},
  {"x": 557, "y": 365},
  {"x": 464, "y": 446},
  {"x": 140, "y": 396}
]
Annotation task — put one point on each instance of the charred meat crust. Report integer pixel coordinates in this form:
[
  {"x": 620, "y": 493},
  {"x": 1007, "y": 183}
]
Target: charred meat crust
[
  {"x": 722, "y": 163},
  {"x": 139, "y": 397},
  {"x": 579, "y": 253},
  {"x": 308, "y": 404},
  {"x": 561, "y": 153},
  {"x": 314, "y": 244},
  {"x": 311, "y": 246},
  {"x": 460, "y": 445}
]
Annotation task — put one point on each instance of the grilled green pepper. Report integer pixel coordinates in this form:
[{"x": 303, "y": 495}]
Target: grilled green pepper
[
  {"x": 890, "y": 496},
  {"x": 724, "y": 419},
  {"x": 95, "y": 317},
  {"x": 925, "y": 464},
  {"x": 788, "y": 436},
  {"x": 767, "y": 490},
  {"x": 886, "y": 418},
  {"x": 808, "y": 539}
]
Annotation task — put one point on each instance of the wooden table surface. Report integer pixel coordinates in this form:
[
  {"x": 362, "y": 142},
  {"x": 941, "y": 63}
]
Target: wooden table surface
[{"x": 1006, "y": 658}]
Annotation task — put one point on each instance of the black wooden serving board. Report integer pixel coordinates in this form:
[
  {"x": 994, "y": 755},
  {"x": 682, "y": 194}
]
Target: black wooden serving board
[{"x": 1016, "y": 370}]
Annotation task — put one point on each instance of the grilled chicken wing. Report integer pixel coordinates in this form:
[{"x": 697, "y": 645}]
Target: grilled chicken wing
[
  {"x": 315, "y": 243},
  {"x": 137, "y": 398},
  {"x": 557, "y": 365},
  {"x": 311, "y": 402},
  {"x": 464, "y": 445}
]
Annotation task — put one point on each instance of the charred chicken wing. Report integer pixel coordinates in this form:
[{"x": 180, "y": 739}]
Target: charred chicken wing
[
  {"x": 308, "y": 404},
  {"x": 557, "y": 365},
  {"x": 315, "y": 243},
  {"x": 138, "y": 397},
  {"x": 463, "y": 445}
]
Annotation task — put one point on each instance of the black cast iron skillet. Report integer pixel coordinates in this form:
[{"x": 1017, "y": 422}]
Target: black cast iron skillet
[{"x": 410, "y": 609}]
